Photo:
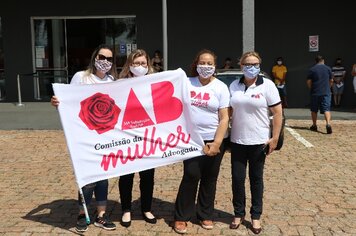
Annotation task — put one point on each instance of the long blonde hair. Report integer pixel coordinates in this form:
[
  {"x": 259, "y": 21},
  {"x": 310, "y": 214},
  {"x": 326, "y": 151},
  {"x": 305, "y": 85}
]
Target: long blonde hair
[{"x": 125, "y": 72}]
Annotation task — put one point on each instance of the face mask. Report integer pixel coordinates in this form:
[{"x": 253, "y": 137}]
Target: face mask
[
  {"x": 103, "y": 65},
  {"x": 251, "y": 73},
  {"x": 205, "y": 71},
  {"x": 138, "y": 70},
  {"x": 279, "y": 62}
]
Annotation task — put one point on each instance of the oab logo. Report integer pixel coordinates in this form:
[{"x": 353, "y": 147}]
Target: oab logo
[{"x": 100, "y": 113}]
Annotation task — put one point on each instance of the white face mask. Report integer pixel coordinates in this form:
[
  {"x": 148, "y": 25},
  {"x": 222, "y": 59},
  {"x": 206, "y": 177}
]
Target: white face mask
[
  {"x": 138, "y": 70},
  {"x": 205, "y": 71},
  {"x": 250, "y": 72},
  {"x": 279, "y": 62}
]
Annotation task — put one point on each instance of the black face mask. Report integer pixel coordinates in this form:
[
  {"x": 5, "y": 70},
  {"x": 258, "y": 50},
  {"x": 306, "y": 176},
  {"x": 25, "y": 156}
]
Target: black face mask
[{"x": 338, "y": 63}]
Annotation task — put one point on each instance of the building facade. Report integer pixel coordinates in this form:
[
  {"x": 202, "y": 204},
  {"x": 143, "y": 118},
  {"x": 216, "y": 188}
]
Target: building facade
[{"x": 48, "y": 41}]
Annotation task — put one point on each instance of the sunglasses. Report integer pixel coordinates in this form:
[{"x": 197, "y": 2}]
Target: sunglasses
[{"x": 102, "y": 57}]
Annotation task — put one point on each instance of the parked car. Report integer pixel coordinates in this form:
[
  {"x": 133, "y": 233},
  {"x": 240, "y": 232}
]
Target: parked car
[{"x": 229, "y": 75}]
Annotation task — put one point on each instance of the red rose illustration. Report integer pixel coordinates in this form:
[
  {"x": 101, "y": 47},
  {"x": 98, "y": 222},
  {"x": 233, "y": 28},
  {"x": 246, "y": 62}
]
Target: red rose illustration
[{"x": 99, "y": 112}]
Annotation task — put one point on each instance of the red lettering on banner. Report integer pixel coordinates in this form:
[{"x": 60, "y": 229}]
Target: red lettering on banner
[
  {"x": 165, "y": 106},
  {"x": 149, "y": 147},
  {"x": 135, "y": 114}
]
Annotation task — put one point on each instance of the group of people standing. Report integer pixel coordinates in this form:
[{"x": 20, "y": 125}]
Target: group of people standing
[
  {"x": 326, "y": 85},
  {"x": 247, "y": 103}
]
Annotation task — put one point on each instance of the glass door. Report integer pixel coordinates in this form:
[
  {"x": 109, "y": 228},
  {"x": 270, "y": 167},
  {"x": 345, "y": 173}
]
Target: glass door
[
  {"x": 63, "y": 46},
  {"x": 50, "y": 56}
]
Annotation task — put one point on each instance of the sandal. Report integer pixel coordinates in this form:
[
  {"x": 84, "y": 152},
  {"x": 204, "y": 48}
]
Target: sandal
[
  {"x": 256, "y": 230},
  {"x": 233, "y": 225},
  {"x": 207, "y": 224},
  {"x": 180, "y": 227}
]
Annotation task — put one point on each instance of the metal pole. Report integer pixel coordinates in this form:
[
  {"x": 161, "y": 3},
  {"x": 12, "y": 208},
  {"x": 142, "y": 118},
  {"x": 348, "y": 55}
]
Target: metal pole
[
  {"x": 87, "y": 218},
  {"x": 165, "y": 35},
  {"x": 248, "y": 25},
  {"x": 19, "y": 92},
  {"x": 37, "y": 86}
]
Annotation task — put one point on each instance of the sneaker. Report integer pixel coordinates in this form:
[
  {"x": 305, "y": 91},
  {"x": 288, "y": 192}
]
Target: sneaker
[
  {"x": 207, "y": 224},
  {"x": 104, "y": 222},
  {"x": 328, "y": 129},
  {"x": 81, "y": 223},
  {"x": 313, "y": 128},
  {"x": 180, "y": 227}
]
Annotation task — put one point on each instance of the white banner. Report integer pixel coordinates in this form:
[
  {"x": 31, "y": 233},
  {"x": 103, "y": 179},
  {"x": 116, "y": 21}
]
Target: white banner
[{"x": 129, "y": 125}]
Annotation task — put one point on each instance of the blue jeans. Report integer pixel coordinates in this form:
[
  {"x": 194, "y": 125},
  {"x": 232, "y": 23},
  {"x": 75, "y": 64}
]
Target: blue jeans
[
  {"x": 255, "y": 157},
  {"x": 100, "y": 189},
  {"x": 322, "y": 102}
]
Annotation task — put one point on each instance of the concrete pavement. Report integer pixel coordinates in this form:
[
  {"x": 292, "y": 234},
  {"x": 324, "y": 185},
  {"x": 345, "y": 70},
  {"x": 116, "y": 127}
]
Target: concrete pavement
[
  {"x": 41, "y": 115},
  {"x": 308, "y": 190}
]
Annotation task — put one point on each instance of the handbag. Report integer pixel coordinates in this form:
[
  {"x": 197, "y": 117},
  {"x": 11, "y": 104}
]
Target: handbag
[{"x": 281, "y": 134}]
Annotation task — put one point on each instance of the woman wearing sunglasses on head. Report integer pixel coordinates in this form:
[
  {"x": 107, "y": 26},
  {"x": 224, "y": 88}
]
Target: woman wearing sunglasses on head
[
  {"x": 252, "y": 97},
  {"x": 137, "y": 64},
  {"x": 101, "y": 69}
]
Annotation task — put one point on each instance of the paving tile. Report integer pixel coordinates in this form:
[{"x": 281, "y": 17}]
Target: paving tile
[{"x": 308, "y": 190}]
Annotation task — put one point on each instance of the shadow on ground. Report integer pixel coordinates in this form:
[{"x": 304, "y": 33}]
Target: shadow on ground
[{"x": 63, "y": 213}]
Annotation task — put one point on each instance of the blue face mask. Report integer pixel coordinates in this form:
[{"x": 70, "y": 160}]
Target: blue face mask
[{"x": 250, "y": 72}]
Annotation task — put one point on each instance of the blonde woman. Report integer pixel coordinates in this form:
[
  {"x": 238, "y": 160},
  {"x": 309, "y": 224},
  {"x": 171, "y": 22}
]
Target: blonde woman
[
  {"x": 137, "y": 64},
  {"x": 252, "y": 97}
]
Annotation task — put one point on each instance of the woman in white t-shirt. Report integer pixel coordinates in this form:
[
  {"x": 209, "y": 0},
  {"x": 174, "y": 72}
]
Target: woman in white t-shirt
[
  {"x": 252, "y": 97},
  {"x": 210, "y": 101},
  {"x": 101, "y": 69}
]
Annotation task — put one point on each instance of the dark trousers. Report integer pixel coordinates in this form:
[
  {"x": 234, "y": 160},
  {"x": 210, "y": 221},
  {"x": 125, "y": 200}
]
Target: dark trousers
[
  {"x": 206, "y": 170},
  {"x": 100, "y": 189},
  {"x": 146, "y": 189},
  {"x": 255, "y": 157}
]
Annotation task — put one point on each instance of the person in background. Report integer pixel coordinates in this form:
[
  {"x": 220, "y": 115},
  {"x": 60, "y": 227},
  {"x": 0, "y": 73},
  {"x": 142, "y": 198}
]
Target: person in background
[
  {"x": 339, "y": 73},
  {"x": 279, "y": 73},
  {"x": 157, "y": 61},
  {"x": 210, "y": 102},
  {"x": 101, "y": 69},
  {"x": 252, "y": 97},
  {"x": 319, "y": 81},
  {"x": 137, "y": 64},
  {"x": 353, "y": 73},
  {"x": 227, "y": 64}
]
